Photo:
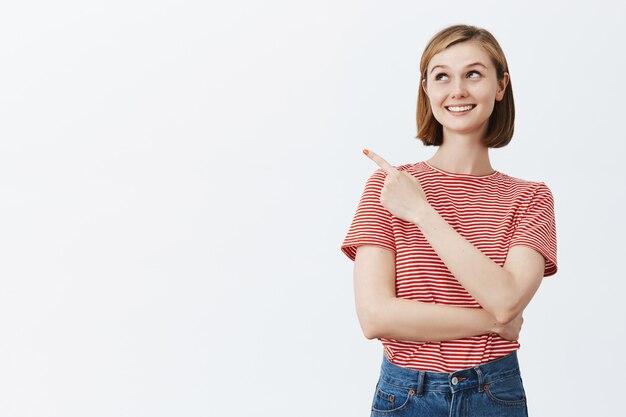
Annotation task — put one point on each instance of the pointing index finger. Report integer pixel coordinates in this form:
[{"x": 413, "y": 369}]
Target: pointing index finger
[{"x": 380, "y": 161}]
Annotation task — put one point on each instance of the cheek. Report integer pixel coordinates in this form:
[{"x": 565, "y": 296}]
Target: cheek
[
  {"x": 486, "y": 94},
  {"x": 435, "y": 92},
  {"x": 436, "y": 99},
  {"x": 489, "y": 100},
  {"x": 438, "y": 111}
]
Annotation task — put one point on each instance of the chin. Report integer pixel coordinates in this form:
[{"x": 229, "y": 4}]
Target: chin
[{"x": 465, "y": 129}]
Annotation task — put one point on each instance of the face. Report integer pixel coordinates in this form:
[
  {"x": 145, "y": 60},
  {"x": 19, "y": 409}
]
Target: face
[{"x": 462, "y": 86}]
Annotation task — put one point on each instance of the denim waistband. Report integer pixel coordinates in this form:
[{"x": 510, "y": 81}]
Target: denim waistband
[{"x": 470, "y": 378}]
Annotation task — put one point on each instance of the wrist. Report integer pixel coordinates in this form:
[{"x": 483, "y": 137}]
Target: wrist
[
  {"x": 484, "y": 322},
  {"x": 494, "y": 326},
  {"x": 424, "y": 215},
  {"x": 490, "y": 323}
]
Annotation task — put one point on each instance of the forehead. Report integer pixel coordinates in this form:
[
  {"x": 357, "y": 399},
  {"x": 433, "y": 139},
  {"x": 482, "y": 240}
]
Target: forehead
[{"x": 461, "y": 55}]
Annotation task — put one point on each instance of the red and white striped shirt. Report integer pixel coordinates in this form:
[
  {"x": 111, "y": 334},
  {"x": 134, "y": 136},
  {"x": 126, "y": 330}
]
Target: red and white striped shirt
[{"x": 493, "y": 212}]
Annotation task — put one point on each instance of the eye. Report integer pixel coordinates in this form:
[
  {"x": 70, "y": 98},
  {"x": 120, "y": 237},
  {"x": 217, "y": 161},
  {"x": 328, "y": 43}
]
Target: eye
[
  {"x": 441, "y": 76},
  {"x": 474, "y": 74}
]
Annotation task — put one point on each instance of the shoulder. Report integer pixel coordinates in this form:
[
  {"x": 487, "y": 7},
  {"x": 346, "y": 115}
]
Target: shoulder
[
  {"x": 529, "y": 192},
  {"x": 534, "y": 186}
]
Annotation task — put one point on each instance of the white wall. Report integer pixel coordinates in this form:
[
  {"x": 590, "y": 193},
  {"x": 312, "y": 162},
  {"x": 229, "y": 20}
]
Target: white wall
[{"x": 176, "y": 178}]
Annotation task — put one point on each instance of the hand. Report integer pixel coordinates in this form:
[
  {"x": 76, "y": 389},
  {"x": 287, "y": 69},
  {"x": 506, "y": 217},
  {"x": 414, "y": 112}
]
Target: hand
[
  {"x": 510, "y": 331},
  {"x": 402, "y": 193}
]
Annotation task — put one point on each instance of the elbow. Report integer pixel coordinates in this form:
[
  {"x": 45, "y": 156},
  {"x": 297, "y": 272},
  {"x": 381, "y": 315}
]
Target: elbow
[
  {"x": 370, "y": 333},
  {"x": 503, "y": 318},
  {"x": 506, "y": 308},
  {"x": 371, "y": 329},
  {"x": 370, "y": 323},
  {"x": 506, "y": 314}
]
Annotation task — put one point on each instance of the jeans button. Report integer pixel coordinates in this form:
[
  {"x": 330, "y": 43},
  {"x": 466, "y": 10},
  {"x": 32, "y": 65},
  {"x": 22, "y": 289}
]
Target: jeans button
[{"x": 455, "y": 381}]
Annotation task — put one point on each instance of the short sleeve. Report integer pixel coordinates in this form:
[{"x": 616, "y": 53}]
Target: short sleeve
[
  {"x": 371, "y": 224},
  {"x": 537, "y": 228}
]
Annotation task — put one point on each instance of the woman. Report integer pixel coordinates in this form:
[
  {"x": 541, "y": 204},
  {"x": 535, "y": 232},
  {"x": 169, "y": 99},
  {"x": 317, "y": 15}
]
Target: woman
[{"x": 448, "y": 252}]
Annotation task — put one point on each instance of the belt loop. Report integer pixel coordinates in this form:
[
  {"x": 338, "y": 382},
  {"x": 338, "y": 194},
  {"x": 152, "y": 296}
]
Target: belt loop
[
  {"x": 420, "y": 383},
  {"x": 479, "y": 372}
]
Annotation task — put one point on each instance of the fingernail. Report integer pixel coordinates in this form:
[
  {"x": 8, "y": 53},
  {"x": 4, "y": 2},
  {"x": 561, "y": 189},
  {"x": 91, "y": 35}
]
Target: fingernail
[{"x": 366, "y": 152}]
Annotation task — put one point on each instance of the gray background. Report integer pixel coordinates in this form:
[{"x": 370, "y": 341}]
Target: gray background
[{"x": 176, "y": 178}]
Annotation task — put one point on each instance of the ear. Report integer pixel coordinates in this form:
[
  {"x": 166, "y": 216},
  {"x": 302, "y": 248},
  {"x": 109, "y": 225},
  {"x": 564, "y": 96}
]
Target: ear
[
  {"x": 502, "y": 84},
  {"x": 424, "y": 86}
]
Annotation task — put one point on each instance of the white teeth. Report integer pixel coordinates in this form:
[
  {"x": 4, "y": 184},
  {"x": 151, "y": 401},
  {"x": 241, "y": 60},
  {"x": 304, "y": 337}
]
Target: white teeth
[{"x": 461, "y": 108}]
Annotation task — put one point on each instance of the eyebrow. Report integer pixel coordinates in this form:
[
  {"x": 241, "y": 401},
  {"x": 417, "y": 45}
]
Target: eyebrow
[{"x": 467, "y": 66}]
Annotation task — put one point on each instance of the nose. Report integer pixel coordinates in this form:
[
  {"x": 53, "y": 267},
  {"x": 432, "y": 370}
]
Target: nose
[{"x": 458, "y": 89}]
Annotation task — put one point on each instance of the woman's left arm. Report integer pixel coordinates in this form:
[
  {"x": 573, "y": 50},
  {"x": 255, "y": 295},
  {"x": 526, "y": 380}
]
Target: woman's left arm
[{"x": 502, "y": 291}]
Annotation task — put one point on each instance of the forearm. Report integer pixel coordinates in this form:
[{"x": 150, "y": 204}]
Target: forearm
[
  {"x": 402, "y": 319},
  {"x": 491, "y": 285},
  {"x": 383, "y": 315}
]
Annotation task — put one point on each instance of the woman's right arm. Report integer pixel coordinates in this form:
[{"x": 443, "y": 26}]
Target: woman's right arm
[{"x": 383, "y": 315}]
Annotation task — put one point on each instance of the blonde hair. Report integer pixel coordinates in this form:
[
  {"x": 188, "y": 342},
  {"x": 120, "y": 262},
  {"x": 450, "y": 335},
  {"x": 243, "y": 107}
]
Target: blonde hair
[{"x": 502, "y": 119}]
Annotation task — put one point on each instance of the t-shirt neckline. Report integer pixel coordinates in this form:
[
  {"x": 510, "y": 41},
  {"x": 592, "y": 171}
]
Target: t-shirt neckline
[{"x": 454, "y": 174}]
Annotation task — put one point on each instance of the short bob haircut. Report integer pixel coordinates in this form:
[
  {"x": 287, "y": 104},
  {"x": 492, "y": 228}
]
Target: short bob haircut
[{"x": 500, "y": 129}]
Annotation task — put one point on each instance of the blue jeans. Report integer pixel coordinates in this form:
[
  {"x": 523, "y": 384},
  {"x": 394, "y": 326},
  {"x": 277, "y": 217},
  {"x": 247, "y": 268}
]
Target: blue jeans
[{"x": 492, "y": 389}]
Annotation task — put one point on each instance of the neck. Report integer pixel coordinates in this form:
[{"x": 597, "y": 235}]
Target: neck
[{"x": 462, "y": 154}]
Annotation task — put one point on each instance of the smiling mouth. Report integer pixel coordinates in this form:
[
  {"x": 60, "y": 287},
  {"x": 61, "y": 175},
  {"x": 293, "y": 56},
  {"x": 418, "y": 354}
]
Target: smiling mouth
[{"x": 460, "y": 109}]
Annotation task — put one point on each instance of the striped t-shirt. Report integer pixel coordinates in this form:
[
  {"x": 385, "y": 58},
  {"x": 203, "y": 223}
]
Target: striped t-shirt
[{"x": 493, "y": 212}]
